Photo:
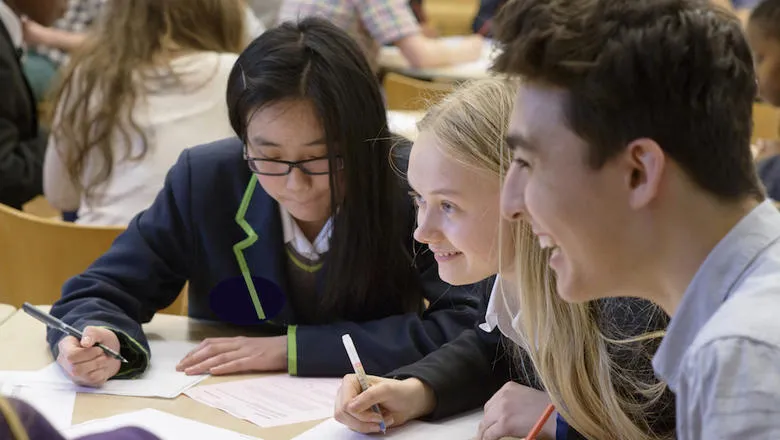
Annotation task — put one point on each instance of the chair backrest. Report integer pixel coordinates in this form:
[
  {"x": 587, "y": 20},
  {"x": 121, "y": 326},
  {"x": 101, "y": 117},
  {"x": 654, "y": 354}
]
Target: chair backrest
[
  {"x": 766, "y": 122},
  {"x": 406, "y": 93},
  {"x": 40, "y": 207},
  {"x": 451, "y": 17},
  {"x": 37, "y": 256}
]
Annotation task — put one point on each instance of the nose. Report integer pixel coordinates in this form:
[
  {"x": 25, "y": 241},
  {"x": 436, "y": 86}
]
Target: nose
[
  {"x": 427, "y": 230},
  {"x": 297, "y": 180},
  {"x": 513, "y": 195}
]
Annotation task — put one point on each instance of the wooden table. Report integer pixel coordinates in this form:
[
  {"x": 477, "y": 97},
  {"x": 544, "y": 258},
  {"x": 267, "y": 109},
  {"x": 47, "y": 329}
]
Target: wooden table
[
  {"x": 391, "y": 59},
  {"x": 25, "y": 337},
  {"x": 6, "y": 311}
]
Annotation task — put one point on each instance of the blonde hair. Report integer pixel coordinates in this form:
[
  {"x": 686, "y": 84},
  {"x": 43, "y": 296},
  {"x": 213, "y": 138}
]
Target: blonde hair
[
  {"x": 99, "y": 89},
  {"x": 601, "y": 398}
]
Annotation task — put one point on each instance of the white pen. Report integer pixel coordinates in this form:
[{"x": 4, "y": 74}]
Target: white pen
[{"x": 361, "y": 375}]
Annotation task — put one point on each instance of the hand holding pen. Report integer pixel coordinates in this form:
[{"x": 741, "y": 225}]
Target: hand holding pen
[
  {"x": 90, "y": 357},
  {"x": 362, "y": 379}
]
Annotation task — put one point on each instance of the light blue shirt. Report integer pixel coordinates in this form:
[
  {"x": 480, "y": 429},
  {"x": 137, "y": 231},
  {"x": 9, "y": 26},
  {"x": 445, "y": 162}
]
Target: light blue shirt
[{"x": 721, "y": 353}]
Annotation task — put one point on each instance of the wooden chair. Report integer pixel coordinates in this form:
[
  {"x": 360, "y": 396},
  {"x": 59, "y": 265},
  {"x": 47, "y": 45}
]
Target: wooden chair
[
  {"x": 38, "y": 255},
  {"x": 451, "y": 17},
  {"x": 406, "y": 93},
  {"x": 766, "y": 122},
  {"x": 40, "y": 207}
]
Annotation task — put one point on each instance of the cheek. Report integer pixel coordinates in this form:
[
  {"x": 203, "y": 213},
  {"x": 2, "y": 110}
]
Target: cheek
[
  {"x": 321, "y": 185},
  {"x": 271, "y": 184},
  {"x": 480, "y": 238}
]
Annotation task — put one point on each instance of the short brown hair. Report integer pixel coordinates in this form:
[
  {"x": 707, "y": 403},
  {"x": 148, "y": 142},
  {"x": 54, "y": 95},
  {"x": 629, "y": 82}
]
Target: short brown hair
[{"x": 677, "y": 71}]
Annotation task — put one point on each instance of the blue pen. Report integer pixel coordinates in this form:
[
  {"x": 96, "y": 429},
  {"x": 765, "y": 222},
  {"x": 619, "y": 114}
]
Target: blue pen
[{"x": 361, "y": 375}]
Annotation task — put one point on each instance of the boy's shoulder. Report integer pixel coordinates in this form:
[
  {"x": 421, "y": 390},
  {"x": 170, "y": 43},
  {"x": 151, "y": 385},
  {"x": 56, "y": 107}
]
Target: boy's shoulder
[{"x": 748, "y": 318}]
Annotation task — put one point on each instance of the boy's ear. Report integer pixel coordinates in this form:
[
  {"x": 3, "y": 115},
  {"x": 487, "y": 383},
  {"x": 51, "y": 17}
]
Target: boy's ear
[{"x": 645, "y": 166}]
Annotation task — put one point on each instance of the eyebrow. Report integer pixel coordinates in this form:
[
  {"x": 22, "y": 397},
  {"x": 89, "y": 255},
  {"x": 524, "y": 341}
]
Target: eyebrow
[
  {"x": 262, "y": 142},
  {"x": 435, "y": 192},
  {"x": 445, "y": 192},
  {"x": 518, "y": 141}
]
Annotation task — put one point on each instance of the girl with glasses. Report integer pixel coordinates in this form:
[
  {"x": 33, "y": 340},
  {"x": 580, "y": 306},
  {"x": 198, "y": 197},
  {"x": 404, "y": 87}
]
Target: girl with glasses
[{"x": 298, "y": 228}]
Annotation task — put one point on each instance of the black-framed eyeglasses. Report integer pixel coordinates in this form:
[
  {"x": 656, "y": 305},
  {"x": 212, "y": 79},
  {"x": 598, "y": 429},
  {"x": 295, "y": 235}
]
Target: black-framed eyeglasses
[{"x": 275, "y": 167}]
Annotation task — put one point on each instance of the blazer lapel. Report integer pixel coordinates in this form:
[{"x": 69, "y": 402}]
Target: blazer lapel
[{"x": 265, "y": 258}]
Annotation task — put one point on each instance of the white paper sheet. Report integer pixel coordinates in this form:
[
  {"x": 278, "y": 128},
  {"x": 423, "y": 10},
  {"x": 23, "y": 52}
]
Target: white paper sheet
[
  {"x": 55, "y": 405},
  {"x": 160, "y": 380},
  {"x": 272, "y": 401},
  {"x": 162, "y": 424},
  {"x": 457, "y": 428}
]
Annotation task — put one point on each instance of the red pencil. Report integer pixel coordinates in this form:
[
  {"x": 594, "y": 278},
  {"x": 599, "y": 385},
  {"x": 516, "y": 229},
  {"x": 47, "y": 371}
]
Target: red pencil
[{"x": 540, "y": 423}]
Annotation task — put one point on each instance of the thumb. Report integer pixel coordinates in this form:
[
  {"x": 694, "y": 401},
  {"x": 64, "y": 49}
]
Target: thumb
[
  {"x": 91, "y": 336},
  {"x": 376, "y": 394}
]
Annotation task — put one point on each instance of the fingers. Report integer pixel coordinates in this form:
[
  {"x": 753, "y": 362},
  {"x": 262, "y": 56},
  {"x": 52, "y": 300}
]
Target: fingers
[
  {"x": 94, "y": 335},
  {"x": 366, "y": 420},
  {"x": 92, "y": 372},
  {"x": 355, "y": 424},
  {"x": 235, "y": 366},
  {"x": 492, "y": 411},
  {"x": 73, "y": 352},
  {"x": 375, "y": 395},
  {"x": 483, "y": 426},
  {"x": 85, "y": 363},
  {"x": 495, "y": 432},
  {"x": 95, "y": 377},
  {"x": 211, "y": 358},
  {"x": 207, "y": 350}
]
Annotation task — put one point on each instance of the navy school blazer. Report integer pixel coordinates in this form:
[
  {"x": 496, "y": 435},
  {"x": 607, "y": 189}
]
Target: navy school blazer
[{"x": 189, "y": 234}]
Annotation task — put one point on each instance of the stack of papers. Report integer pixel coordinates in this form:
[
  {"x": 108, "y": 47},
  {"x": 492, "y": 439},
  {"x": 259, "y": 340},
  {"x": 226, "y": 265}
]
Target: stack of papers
[
  {"x": 164, "y": 425},
  {"x": 160, "y": 380},
  {"x": 55, "y": 405},
  {"x": 272, "y": 401},
  {"x": 458, "y": 428}
]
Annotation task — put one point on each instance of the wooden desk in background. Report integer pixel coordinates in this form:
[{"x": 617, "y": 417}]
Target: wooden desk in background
[
  {"x": 25, "y": 337},
  {"x": 6, "y": 311}
]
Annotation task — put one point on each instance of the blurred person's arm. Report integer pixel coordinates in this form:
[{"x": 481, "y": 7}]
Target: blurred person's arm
[
  {"x": 394, "y": 22},
  {"x": 421, "y": 51},
  {"x": 37, "y": 34}
]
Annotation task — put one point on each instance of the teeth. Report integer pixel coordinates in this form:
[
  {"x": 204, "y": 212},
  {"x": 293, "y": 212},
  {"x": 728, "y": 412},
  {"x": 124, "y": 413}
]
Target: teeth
[
  {"x": 446, "y": 254},
  {"x": 546, "y": 242}
]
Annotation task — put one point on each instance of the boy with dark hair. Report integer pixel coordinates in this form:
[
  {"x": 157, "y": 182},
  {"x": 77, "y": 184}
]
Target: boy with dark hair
[{"x": 631, "y": 138}]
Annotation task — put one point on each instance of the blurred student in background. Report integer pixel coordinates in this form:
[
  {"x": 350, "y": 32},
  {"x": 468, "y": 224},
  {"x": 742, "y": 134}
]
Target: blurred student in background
[
  {"x": 22, "y": 142},
  {"x": 51, "y": 45},
  {"x": 373, "y": 23},
  {"x": 763, "y": 34},
  {"x": 127, "y": 107}
]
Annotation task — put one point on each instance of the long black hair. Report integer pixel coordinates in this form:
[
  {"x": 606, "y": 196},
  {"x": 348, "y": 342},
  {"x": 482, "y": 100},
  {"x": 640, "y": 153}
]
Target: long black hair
[{"x": 316, "y": 61}]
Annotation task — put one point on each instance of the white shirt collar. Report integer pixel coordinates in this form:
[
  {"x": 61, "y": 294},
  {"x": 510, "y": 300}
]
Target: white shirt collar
[
  {"x": 12, "y": 24},
  {"x": 503, "y": 311},
  {"x": 302, "y": 245}
]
